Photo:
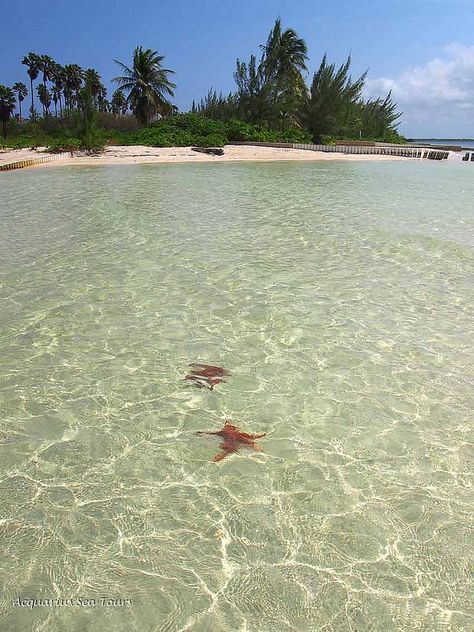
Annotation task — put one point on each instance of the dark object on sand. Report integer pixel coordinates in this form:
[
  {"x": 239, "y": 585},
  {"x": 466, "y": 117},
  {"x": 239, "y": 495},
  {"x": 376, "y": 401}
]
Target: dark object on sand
[
  {"x": 233, "y": 439},
  {"x": 214, "y": 151},
  {"x": 207, "y": 375}
]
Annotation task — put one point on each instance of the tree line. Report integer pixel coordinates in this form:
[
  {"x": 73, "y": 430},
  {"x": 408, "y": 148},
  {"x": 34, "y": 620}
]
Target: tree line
[
  {"x": 144, "y": 88},
  {"x": 61, "y": 86},
  {"x": 271, "y": 93}
]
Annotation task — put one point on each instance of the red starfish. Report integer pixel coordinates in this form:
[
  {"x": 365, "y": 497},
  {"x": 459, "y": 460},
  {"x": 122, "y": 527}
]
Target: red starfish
[
  {"x": 208, "y": 370},
  {"x": 209, "y": 374},
  {"x": 233, "y": 439}
]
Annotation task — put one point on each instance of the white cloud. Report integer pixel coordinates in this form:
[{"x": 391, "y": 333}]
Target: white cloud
[{"x": 436, "y": 99}]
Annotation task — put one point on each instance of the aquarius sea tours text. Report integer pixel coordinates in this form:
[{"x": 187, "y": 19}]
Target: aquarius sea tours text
[{"x": 84, "y": 602}]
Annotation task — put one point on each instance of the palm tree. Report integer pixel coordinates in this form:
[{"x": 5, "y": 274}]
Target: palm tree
[
  {"x": 272, "y": 89},
  {"x": 58, "y": 78},
  {"x": 284, "y": 62},
  {"x": 87, "y": 119},
  {"x": 118, "y": 103},
  {"x": 147, "y": 85},
  {"x": 33, "y": 62},
  {"x": 22, "y": 92},
  {"x": 44, "y": 97},
  {"x": 46, "y": 66},
  {"x": 7, "y": 107},
  {"x": 285, "y": 55},
  {"x": 56, "y": 96},
  {"x": 93, "y": 79},
  {"x": 73, "y": 82},
  {"x": 103, "y": 104}
]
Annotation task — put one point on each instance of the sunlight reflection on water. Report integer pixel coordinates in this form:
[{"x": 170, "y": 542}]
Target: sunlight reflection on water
[{"x": 341, "y": 298}]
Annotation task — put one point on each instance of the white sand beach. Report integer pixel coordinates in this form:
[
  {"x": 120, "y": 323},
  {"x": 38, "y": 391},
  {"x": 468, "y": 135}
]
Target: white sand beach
[{"x": 139, "y": 154}]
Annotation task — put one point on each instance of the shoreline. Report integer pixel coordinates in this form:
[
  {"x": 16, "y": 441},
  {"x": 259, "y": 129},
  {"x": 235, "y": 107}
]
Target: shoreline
[{"x": 141, "y": 154}]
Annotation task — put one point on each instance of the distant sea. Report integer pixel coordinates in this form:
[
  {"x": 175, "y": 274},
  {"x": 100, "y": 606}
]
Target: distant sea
[{"x": 462, "y": 142}]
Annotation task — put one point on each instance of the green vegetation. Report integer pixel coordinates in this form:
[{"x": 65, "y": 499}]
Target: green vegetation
[
  {"x": 32, "y": 61},
  {"x": 273, "y": 95},
  {"x": 7, "y": 107},
  {"x": 86, "y": 118},
  {"x": 21, "y": 93},
  {"x": 272, "y": 102},
  {"x": 195, "y": 129},
  {"x": 147, "y": 85}
]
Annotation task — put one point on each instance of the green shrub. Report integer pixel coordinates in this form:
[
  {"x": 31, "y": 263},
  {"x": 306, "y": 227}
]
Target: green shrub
[
  {"x": 284, "y": 136},
  {"x": 50, "y": 125},
  {"x": 241, "y": 131},
  {"x": 327, "y": 140},
  {"x": 213, "y": 140},
  {"x": 295, "y": 136},
  {"x": 24, "y": 142},
  {"x": 194, "y": 123},
  {"x": 180, "y": 130},
  {"x": 394, "y": 137},
  {"x": 184, "y": 130},
  {"x": 70, "y": 144},
  {"x": 117, "y": 122},
  {"x": 163, "y": 137}
]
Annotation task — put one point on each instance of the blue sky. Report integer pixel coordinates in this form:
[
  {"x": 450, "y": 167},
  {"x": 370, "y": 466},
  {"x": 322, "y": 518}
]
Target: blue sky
[{"x": 421, "y": 49}]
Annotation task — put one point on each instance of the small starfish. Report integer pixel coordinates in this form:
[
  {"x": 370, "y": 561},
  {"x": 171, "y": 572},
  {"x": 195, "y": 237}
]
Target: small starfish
[
  {"x": 207, "y": 375},
  {"x": 233, "y": 439}
]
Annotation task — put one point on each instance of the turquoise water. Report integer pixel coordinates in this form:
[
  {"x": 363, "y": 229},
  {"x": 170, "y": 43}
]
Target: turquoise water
[{"x": 341, "y": 298}]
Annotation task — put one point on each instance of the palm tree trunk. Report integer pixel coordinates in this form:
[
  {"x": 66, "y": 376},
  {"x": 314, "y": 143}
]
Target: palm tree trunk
[
  {"x": 4, "y": 128},
  {"x": 44, "y": 109},
  {"x": 19, "y": 105},
  {"x": 32, "y": 101}
]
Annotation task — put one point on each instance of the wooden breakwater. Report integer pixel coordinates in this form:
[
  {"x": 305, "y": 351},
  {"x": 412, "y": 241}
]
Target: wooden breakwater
[
  {"x": 403, "y": 151},
  {"x": 383, "y": 150},
  {"x": 29, "y": 162}
]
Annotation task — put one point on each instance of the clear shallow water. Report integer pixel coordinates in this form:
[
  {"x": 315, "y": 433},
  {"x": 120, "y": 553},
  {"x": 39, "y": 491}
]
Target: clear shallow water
[{"x": 341, "y": 297}]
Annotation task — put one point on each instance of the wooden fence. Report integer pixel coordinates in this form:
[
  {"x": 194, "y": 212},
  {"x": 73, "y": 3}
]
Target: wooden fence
[
  {"x": 384, "y": 150},
  {"x": 31, "y": 162},
  {"x": 403, "y": 151}
]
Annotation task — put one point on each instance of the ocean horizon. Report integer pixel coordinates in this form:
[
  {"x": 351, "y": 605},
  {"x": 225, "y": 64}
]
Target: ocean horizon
[{"x": 467, "y": 143}]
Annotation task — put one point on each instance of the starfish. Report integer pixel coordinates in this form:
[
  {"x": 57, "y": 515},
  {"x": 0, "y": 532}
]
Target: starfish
[
  {"x": 201, "y": 382},
  {"x": 208, "y": 370},
  {"x": 233, "y": 439},
  {"x": 207, "y": 374}
]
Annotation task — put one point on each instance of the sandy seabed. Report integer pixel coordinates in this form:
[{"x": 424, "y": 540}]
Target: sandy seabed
[{"x": 139, "y": 154}]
